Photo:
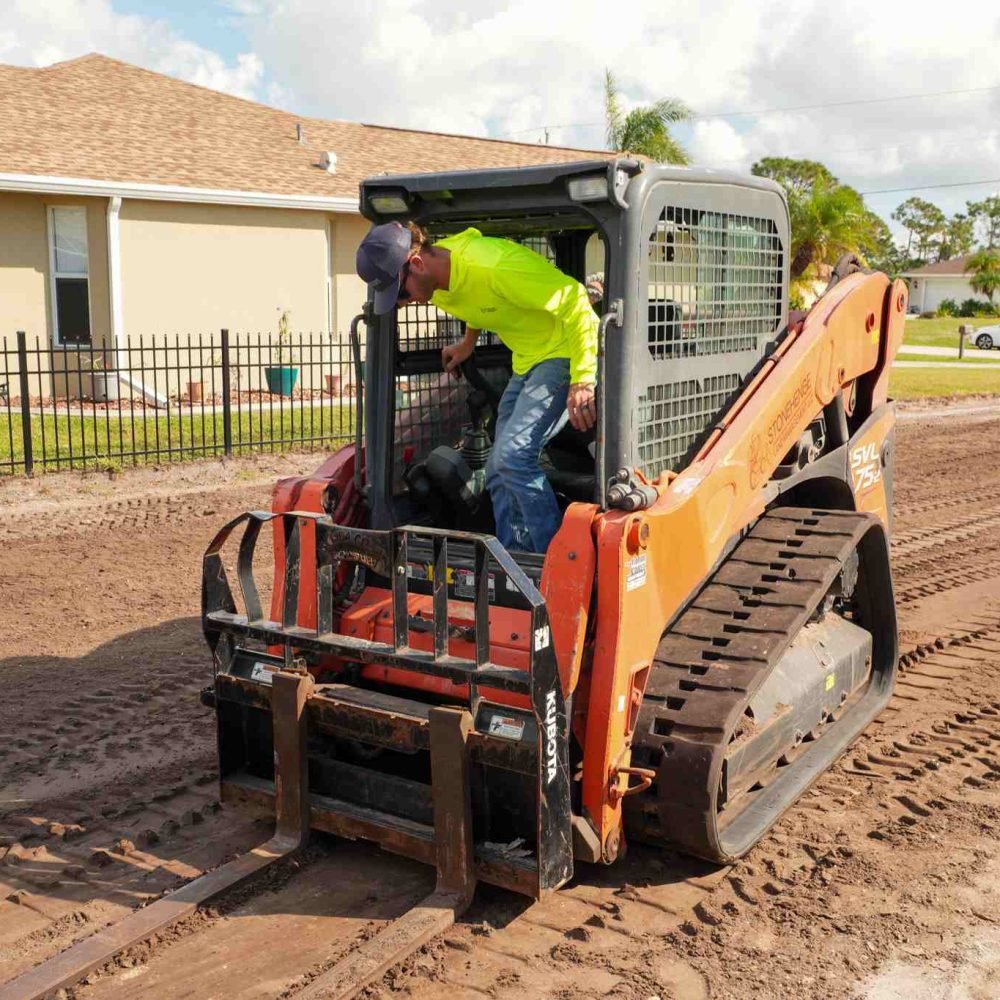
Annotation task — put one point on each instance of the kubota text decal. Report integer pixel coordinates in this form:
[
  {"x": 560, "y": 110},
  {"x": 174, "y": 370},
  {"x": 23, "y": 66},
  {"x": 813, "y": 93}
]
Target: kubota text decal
[{"x": 551, "y": 737}]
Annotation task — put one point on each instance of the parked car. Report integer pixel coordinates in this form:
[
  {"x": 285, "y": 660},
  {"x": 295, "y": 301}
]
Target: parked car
[{"x": 988, "y": 337}]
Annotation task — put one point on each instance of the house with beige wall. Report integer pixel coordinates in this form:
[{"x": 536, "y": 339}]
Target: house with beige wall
[{"x": 133, "y": 204}]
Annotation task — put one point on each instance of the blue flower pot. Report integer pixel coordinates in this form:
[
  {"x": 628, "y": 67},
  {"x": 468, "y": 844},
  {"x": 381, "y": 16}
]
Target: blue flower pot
[{"x": 281, "y": 381}]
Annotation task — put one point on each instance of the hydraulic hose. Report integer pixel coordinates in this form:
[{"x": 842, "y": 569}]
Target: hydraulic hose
[{"x": 359, "y": 399}]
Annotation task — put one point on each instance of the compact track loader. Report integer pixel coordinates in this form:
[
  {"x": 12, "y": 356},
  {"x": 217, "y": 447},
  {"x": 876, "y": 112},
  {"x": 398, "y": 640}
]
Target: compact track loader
[{"x": 709, "y": 629}]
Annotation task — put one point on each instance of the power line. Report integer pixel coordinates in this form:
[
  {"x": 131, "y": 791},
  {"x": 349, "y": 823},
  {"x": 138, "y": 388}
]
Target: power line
[
  {"x": 927, "y": 187},
  {"x": 778, "y": 111},
  {"x": 903, "y": 144},
  {"x": 845, "y": 104}
]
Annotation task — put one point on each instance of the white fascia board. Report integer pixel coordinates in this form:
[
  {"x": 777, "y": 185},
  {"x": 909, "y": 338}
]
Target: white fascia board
[{"x": 36, "y": 183}]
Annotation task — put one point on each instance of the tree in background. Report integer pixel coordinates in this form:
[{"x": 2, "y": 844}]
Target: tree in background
[
  {"x": 986, "y": 214},
  {"x": 797, "y": 177},
  {"x": 829, "y": 221},
  {"x": 827, "y": 218},
  {"x": 985, "y": 268},
  {"x": 959, "y": 237},
  {"x": 644, "y": 130},
  {"x": 925, "y": 225},
  {"x": 881, "y": 251}
]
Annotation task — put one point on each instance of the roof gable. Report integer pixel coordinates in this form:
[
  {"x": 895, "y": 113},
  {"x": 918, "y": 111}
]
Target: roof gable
[{"x": 955, "y": 267}]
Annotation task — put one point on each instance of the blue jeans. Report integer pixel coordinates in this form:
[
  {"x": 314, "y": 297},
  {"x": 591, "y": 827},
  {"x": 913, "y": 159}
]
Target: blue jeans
[{"x": 532, "y": 410}]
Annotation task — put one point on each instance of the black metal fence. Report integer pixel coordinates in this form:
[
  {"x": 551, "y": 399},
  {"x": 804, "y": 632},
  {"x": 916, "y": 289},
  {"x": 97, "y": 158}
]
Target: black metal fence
[{"x": 176, "y": 398}]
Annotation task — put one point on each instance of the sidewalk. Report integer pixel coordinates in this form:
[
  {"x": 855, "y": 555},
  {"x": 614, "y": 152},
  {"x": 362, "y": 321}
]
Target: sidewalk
[{"x": 944, "y": 352}]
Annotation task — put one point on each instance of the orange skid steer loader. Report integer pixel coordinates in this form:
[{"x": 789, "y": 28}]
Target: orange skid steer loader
[{"x": 709, "y": 629}]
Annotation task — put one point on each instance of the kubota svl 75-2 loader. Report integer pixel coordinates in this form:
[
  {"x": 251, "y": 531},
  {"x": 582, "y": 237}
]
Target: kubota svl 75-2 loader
[{"x": 709, "y": 629}]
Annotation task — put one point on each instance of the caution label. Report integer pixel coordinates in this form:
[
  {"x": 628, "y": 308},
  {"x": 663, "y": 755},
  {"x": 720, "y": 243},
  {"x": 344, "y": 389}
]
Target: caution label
[
  {"x": 635, "y": 573},
  {"x": 508, "y": 726},
  {"x": 261, "y": 673}
]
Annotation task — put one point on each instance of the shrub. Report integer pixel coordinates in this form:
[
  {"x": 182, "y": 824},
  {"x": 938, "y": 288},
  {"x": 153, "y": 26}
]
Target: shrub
[
  {"x": 947, "y": 307},
  {"x": 930, "y": 314},
  {"x": 977, "y": 307}
]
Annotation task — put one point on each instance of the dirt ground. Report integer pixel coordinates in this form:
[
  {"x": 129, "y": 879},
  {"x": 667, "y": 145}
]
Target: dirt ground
[{"x": 883, "y": 883}]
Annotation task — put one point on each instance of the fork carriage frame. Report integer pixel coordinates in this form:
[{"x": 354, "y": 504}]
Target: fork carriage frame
[{"x": 387, "y": 720}]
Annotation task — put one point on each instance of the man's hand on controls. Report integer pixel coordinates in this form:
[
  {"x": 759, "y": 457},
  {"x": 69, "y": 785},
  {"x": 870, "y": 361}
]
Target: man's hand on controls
[
  {"x": 581, "y": 405},
  {"x": 454, "y": 354}
]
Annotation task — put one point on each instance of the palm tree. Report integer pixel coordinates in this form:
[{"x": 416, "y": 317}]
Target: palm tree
[
  {"x": 985, "y": 268},
  {"x": 644, "y": 130},
  {"x": 828, "y": 221}
]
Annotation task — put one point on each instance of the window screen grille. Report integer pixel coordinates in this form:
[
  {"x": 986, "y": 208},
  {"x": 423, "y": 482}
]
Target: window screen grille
[
  {"x": 431, "y": 409},
  {"x": 672, "y": 416},
  {"x": 715, "y": 283}
]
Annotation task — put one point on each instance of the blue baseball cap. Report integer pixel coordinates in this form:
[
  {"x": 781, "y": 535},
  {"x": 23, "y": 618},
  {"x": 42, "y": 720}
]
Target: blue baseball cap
[{"x": 380, "y": 258}]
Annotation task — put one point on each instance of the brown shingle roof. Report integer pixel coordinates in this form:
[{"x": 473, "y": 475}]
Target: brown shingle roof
[
  {"x": 102, "y": 119},
  {"x": 955, "y": 266}
]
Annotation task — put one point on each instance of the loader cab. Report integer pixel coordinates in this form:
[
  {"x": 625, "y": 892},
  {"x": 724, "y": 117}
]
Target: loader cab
[{"x": 695, "y": 268}]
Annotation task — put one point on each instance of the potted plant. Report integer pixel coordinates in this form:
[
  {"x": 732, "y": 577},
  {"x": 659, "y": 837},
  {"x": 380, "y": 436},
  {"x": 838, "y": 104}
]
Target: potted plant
[
  {"x": 196, "y": 389},
  {"x": 103, "y": 381},
  {"x": 281, "y": 377}
]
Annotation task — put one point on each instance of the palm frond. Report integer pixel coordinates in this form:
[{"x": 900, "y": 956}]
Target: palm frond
[
  {"x": 613, "y": 117},
  {"x": 670, "y": 111}
]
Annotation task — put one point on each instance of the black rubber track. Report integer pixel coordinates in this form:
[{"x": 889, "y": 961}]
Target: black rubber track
[{"x": 717, "y": 654}]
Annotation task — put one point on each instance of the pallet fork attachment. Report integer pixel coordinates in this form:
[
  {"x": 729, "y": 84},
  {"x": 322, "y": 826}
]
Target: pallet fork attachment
[
  {"x": 291, "y": 832},
  {"x": 456, "y": 880}
]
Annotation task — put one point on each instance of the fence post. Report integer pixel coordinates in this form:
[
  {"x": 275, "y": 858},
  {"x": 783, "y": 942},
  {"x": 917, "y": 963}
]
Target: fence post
[
  {"x": 22, "y": 368},
  {"x": 227, "y": 409}
]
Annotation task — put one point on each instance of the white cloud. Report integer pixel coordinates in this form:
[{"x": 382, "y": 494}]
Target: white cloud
[
  {"x": 718, "y": 144},
  {"x": 42, "y": 32},
  {"x": 507, "y": 67},
  {"x": 500, "y": 68}
]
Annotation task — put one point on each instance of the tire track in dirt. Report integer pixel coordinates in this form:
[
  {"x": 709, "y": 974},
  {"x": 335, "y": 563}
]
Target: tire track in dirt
[
  {"x": 656, "y": 922},
  {"x": 928, "y": 769},
  {"x": 958, "y": 529}
]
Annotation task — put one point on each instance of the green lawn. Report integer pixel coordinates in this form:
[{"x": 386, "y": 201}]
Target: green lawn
[
  {"x": 926, "y": 383},
  {"x": 67, "y": 441},
  {"x": 940, "y": 332},
  {"x": 973, "y": 356}
]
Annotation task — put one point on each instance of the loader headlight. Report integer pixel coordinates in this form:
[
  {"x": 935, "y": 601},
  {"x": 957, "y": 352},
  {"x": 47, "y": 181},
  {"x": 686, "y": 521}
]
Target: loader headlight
[
  {"x": 593, "y": 188},
  {"x": 388, "y": 203}
]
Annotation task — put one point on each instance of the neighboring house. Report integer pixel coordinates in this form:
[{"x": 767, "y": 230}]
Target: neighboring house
[
  {"x": 134, "y": 204},
  {"x": 947, "y": 279}
]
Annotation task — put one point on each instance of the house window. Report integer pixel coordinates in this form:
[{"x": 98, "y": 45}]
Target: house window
[{"x": 70, "y": 282}]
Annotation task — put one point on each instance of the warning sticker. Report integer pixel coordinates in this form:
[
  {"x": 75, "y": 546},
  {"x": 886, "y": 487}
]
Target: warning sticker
[
  {"x": 542, "y": 637},
  {"x": 830, "y": 681},
  {"x": 508, "y": 726},
  {"x": 465, "y": 584},
  {"x": 261, "y": 673},
  {"x": 635, "y": 570}
]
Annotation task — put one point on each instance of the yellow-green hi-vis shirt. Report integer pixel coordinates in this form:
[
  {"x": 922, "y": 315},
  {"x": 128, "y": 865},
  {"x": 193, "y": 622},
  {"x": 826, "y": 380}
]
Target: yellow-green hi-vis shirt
[{"x": 535, "y": 309}]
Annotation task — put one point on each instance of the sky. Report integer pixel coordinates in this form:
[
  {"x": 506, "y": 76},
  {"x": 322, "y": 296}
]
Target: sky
[{"x": 891, "y": 96}]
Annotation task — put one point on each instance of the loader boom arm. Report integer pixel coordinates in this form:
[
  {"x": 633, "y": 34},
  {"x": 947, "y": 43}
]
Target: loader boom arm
[{"x": 851, "y": 335}]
